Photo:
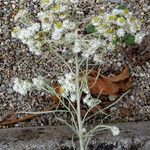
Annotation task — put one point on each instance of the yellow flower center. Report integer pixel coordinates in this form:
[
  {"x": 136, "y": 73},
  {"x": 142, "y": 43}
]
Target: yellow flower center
[
  {"x": 109, "y": 31},
  {"x": 46, "y": 20},
  {"x": 126, "y": 11},
  {"x": 56, "y": 7},
  {"x": 62, "y": 90},
  {"x": 95, "y": 19},
  {"x": 15, "y": 29},
  {"x": 112, "y": 18},
  {"x": 132, "y": 19},
  {"x": 122, "y": 20},
  {"x": 45, "y": 1},
  {"x": 58, "y": 24}
]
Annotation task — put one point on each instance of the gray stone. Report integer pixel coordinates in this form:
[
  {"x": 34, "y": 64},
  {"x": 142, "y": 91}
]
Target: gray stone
[
  {"x": 115, "y": 1},
  {"x": 10, "y": 91},
  {"x": 147, "y": 145},
  {"x": 1, "y": 78}
]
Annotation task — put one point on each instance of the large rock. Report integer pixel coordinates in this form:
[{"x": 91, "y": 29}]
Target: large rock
[{"x": 135, "y": 136}]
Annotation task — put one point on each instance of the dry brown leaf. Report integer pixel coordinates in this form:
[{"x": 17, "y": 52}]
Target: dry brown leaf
[
  {"x": 13, "y": 120},
  {"x": 109, "y": 85}
]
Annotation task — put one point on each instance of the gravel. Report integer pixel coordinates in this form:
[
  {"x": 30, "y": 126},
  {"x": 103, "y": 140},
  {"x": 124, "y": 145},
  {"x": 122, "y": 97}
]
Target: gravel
[{"x": 16, "y": 61}]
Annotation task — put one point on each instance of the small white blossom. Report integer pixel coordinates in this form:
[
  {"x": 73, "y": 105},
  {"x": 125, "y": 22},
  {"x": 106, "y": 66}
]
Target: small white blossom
[
  {"x": 38, "y": 82},
  {"x": 68, "y": 24},
  {"x": 56, "y": 35},
  {"x": 90, "y": 101},
  {"x": 120, "y": 32},
  {"x": 68, "y": 85},
  {"x": 70, "y": 37},
  {"x": 94, "y": 44},
  {"x": 139, "y": 37},
  {"x": 34, "y": 47},
  {"x": 121, "y": 21},
  {"x": 26, "y": 33},
  {"x": 77, "y": 47},
  {"x": 95, "y": 20},
  {"x": 73, "y": 97},
  {"x": 21, "y": 86},
  {"x": 115, "y": 131},
  {"x": 74, "y": 1},
  {"x": 133, "y": 29},
  {"x": 15, "y": 32},
  {"x": 117, "y": 11},
  {"x": 46, "y": 3},
  {"x": 46, "y": 19}
]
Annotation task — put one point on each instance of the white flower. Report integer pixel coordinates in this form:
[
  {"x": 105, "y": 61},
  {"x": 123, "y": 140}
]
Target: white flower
[
  {"x": 34, "y": 47},
  {"x": 26, "y": 33},
  {"x": 133, "y": 29},
  {"x": 68, "y": 25},
  {"x": 95, "y": 20},
  {"x": 68, "y": 85},
  {"x": 115, "y": 131},
  {"x": 46, "y": 3},
  {"x": 90, "y": 101},
  {"x": 74, "y": 1},
  {"x": 121, "y": 21},
  {"x": 46, "y": 19},
  {"x": 34, "y": 28},
  {"x": 56, "y": 35},
  {"x": 86, "y": 99},
  {"x": 15, "y": 32},
  {"x": 120, "y": 32},
  {"x": 117, "y": 11},
  {"x": 70, "y": 37},
  {"x": 38, "y": 82},
  {"x": 94, "y": 44},
  {"x": 21, "y": 13},
  {"x": 58, "y": 8},
  {"x": 72, "y": 25},
  {"x": 77, "y": 47},
  {"x": 73, "y": 97},
  {"x": 21, "y": 86},
  {"x": 139, "y": 37}
]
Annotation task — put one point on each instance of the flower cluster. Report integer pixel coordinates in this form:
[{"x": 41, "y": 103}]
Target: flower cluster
[
  {"x": 54, "y": 24},
  {"x": 119, "y": 26},
  {"x": 115, "y": 130},
  {"x": 26, "y": 35},
  {"x": 68, "y": 86},
  {"x": 23, "y": 86},
  {"x": 90, "y": 101}
]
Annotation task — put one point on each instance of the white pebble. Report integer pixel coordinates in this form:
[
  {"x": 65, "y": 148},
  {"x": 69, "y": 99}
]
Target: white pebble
[
  {"x": 132, "y": 97},
  {"x": 112, "y": 98},
  {"x": 118, "y": 64}
]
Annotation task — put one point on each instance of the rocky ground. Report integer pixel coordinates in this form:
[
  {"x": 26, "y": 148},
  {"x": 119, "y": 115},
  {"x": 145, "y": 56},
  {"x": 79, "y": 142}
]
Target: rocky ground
[{"x": 17, "y": 61}]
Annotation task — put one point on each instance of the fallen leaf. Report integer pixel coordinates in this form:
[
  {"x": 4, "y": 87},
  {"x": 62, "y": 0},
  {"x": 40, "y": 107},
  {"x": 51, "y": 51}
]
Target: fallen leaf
[{"x": 109, "y": 85}]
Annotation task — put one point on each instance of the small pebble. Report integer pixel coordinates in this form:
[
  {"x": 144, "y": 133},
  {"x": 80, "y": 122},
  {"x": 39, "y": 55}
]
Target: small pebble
[
  {"x": 132, "y": 97},
  {"x": 118, "y": 64},
  {"x": 112, "y": 98},
  {"x": 112, "y": 109}
]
